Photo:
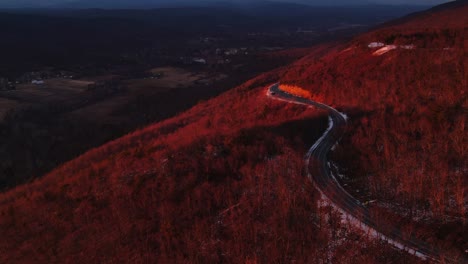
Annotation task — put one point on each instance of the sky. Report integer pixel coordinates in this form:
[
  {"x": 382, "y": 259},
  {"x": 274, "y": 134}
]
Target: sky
[
  {"x": 386, "y": 2},
  {"x": 49, "y": 3}
]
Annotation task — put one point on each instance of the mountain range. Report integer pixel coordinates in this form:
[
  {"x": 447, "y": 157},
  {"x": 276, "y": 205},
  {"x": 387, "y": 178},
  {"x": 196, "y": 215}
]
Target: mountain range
[{"x": 116, "y": 4}]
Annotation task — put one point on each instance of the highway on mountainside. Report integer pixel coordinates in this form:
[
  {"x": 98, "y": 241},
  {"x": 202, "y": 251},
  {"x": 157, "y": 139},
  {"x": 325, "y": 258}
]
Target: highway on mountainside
[{"x": 319, "y": 173}]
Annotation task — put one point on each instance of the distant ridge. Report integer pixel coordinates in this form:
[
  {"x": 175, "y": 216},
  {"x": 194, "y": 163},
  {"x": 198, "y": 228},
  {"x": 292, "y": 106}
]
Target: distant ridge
[
  {"x": 443, "y": 7},
  {"x": 145, "y": 4}
]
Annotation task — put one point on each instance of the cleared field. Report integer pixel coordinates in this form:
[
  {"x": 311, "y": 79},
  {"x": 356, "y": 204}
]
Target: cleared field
[
  {"x": 5, "y": 106},
  {"x": 171, "y": 78},
  {"x": 52, "y": 89},
  {"x": 67, "y": 84},
  {"x": 142, "y": 85},
  {"x": 175, "y": 77}
]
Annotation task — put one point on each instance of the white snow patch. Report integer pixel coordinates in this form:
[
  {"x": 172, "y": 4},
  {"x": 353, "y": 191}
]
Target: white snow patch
[
  {"x": 37, "y": 82},
  {"x": 334, "y": 146},
  {"x": 337, "y": 170},
  {"x": 408, "y": 47},
  {"x": 384, "y": 50},
  {"x": 374, "y": 45},
  {"x": 345, "y": 116}
]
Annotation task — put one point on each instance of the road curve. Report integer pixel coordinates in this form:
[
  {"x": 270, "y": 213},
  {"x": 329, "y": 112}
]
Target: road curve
[{"x": 317, "y": 170}]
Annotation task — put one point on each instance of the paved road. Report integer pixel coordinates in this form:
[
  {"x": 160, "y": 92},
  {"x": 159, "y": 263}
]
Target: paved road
[{"x": 319, "y": 173}]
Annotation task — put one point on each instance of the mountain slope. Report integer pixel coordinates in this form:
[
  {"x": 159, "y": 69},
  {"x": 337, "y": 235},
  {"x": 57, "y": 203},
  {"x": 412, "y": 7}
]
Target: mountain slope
[
  {"x": 222, "y": 182},
  {"x": 405, "y": 148},
  {"x": 145, "y": 198}
]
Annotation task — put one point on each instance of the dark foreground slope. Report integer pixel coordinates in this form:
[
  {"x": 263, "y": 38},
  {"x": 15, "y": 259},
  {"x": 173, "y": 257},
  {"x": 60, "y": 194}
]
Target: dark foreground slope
[
  {"x": 223, "y": 181},
  {"x": 220, "y": 183}
]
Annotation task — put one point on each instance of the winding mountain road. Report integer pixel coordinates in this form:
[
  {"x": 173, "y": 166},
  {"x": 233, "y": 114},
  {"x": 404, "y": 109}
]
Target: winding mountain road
[{"x": 319, "y": 173}]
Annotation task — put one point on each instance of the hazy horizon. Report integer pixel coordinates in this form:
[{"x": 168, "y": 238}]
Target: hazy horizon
[{"x": 156, "y": 3}]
